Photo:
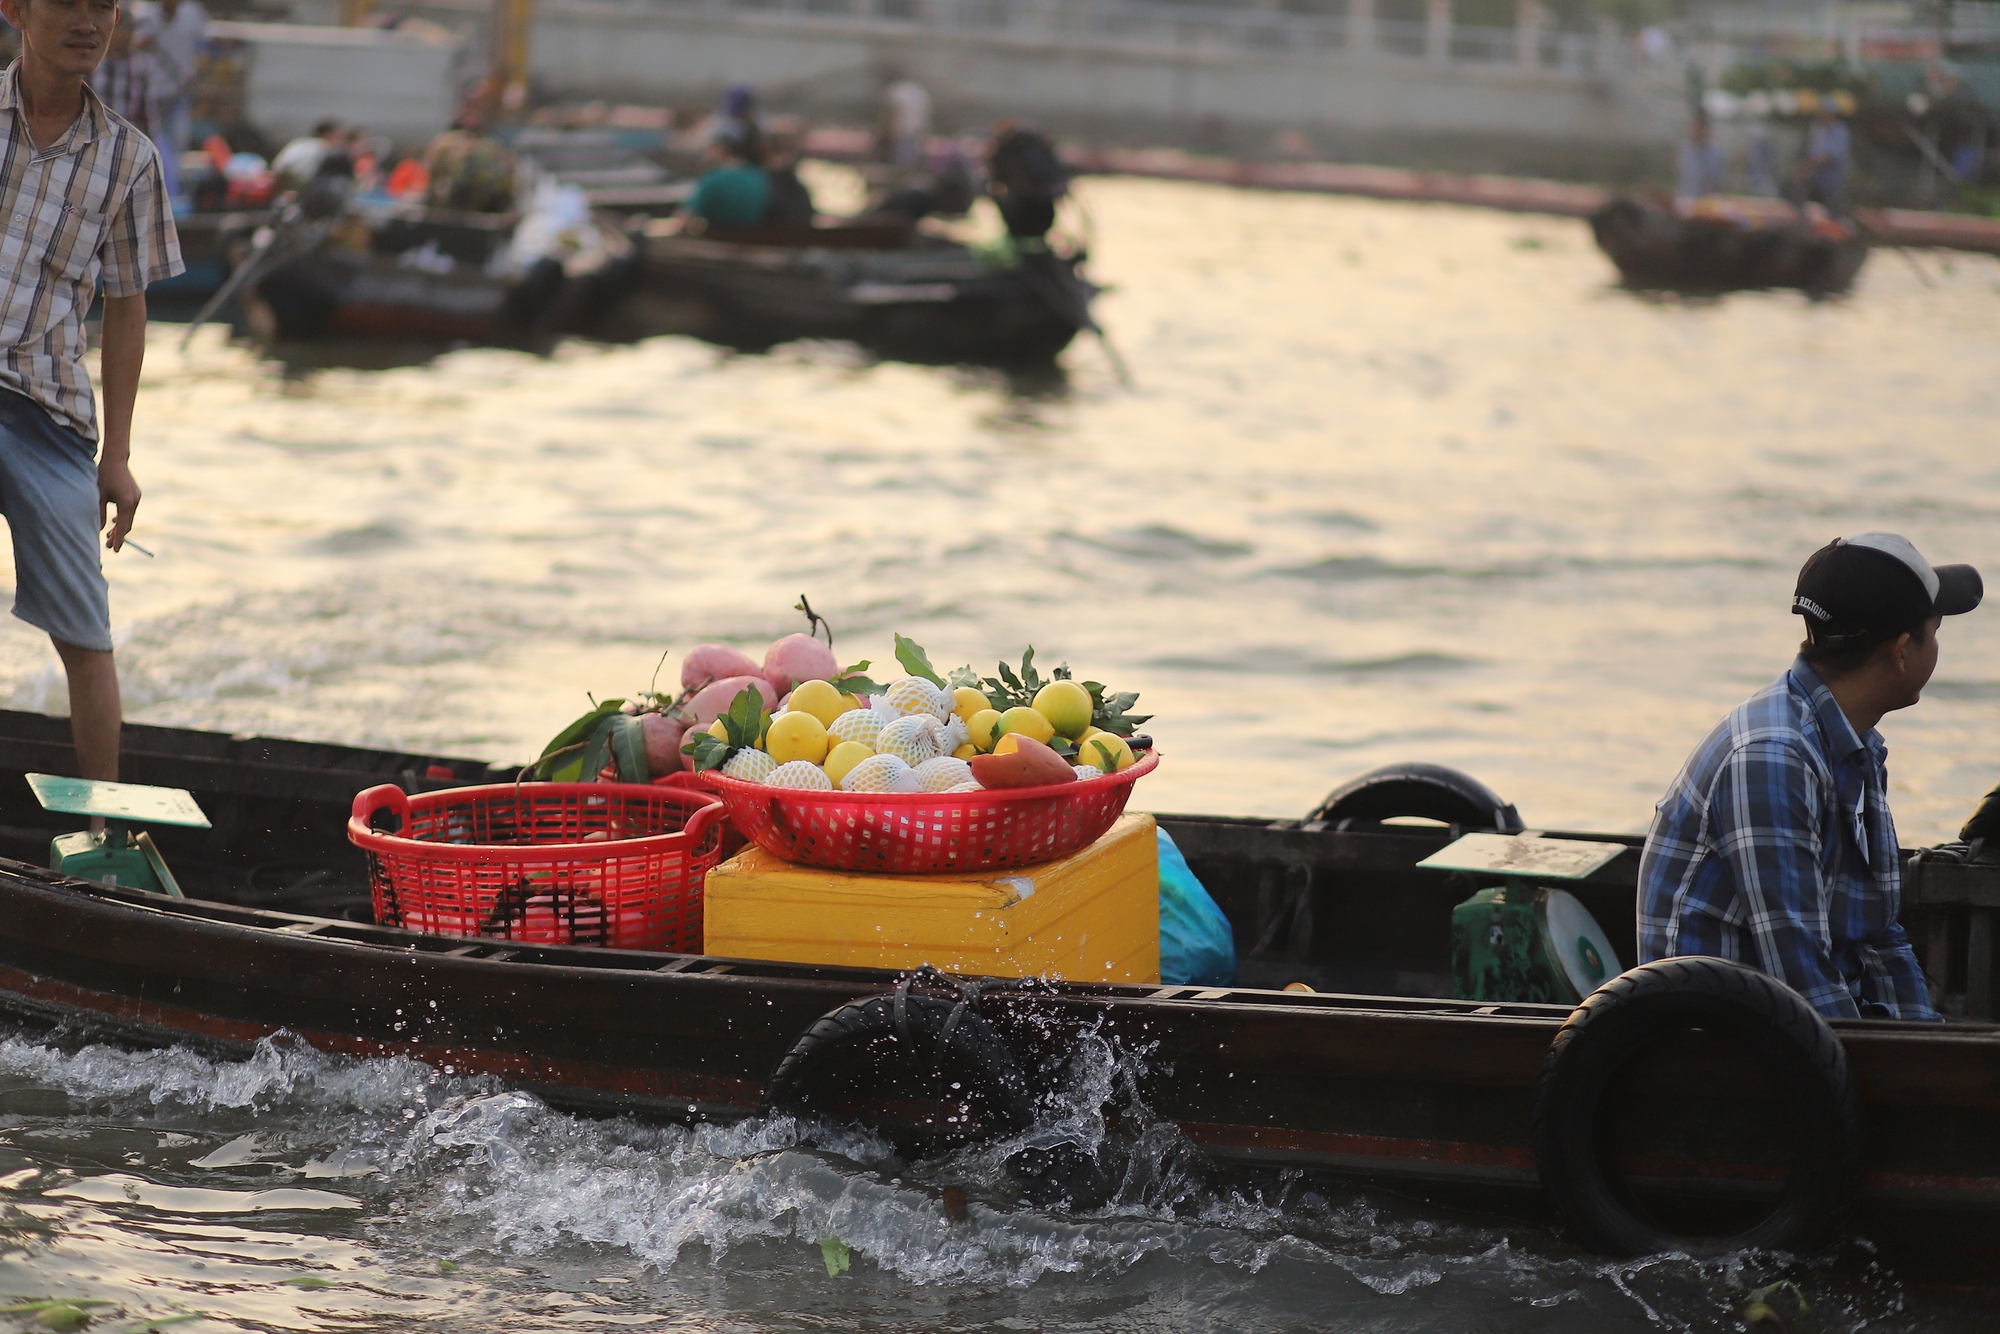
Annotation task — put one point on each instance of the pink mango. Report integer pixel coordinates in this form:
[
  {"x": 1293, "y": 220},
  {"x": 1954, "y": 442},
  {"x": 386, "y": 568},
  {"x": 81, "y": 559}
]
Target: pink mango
[
  {"x": 713, "y": 700},
  {"x": 662, "y": 735},
  {"x": 797, "y": 658},
  {"x": 714, "y": 662}
]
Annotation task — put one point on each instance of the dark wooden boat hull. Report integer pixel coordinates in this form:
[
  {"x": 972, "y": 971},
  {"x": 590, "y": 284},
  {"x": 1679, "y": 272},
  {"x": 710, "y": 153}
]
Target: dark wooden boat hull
[
  {"x": 1417, "y": 1092},
  {"x": 934, "y": 305},
  {"x": 1659, "y": 250}
]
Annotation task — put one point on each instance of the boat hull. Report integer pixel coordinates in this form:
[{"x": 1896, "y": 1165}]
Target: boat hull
[
  {"x": 935, "y": 305},
  {"x": 1659, "y": 250}
]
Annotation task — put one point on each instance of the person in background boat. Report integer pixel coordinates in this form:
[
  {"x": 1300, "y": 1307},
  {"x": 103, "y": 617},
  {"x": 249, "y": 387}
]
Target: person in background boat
[
  {"x": 791, "y": 202},
  {"x": 90, "y": 209},
  {"x": 1774, "y": 846},
  {"x": 467, "y": 169},
  {"x": 736, "y": 118},
  {"x": 299, "y": 161},
  {"x": 1701, "y": 163},
  {"x": 1025, "y": 178},
  {"x": 1822, "y": 175},
  {"x": 906, "y": 122},
  {"x": 735, "y": 191}
]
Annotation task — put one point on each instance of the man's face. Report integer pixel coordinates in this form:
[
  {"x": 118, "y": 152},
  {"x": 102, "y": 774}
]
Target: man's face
[
  {"x": 1920, "y": 659},
  {"x": 69, "y": 36}
]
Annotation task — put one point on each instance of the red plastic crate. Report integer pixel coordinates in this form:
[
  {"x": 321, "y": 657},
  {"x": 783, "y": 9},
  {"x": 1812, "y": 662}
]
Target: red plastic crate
[
  {"x": 914, "y": 833},
  {"x": 511, "y": 862}
]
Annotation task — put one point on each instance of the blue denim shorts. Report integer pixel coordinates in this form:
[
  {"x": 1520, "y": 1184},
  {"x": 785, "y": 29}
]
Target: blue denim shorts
[{"x": 48, "y": 491}]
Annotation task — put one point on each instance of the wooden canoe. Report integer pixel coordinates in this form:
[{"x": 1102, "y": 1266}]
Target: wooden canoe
[
  {"x": 1376, "y": 1075},
  {"x": 1740, "y": 245}
]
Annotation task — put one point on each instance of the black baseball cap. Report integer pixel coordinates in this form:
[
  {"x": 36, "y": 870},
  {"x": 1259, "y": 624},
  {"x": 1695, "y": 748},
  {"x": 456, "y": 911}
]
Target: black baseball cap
[{"x": 1871, "y": 585}]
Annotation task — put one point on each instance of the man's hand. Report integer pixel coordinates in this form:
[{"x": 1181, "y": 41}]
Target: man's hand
[{"x": 117, "y": 490}]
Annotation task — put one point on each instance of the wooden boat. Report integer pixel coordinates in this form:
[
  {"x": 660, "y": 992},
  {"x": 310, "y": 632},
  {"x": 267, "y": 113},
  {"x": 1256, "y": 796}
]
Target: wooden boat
[
  {"x": 1727, "y": 245},
  {"x": 893, "y": 292},
  {"x": 1377, "y": 1075},
  {"x": 428, "y": 275}
]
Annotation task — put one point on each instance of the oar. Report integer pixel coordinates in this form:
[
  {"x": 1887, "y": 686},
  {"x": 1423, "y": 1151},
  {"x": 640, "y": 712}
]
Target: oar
[
  {"x": 293, "y": 229},
  {"x": 1896, "y": 246},
  {"x": 1059, "y": 290}
]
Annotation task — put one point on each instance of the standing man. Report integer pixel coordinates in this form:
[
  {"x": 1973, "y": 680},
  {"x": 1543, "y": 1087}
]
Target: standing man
[
  {"x": 174, "y": 31},
  {"x": 1774, "y": 846},
  {"x": 1829, "y": 155},
  {"x": 81, "y": 199}
]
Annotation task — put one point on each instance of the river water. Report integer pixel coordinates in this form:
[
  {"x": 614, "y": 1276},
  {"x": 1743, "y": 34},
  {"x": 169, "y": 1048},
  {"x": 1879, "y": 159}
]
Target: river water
[{"x": 1390, "y": 482}]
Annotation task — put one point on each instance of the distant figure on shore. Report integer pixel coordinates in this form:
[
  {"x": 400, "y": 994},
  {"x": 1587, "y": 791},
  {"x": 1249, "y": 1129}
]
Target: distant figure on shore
[
  {"x": 129, "y": 82},
  {"x": 1025, "y": 178},
  {"x": 1701, "y": 163},
  {"x": 906, "y": 121},
  {"x": 735, "y": 191},
  {"x": 173, "y": 31},
  {"x": 1822, "y": 176}
]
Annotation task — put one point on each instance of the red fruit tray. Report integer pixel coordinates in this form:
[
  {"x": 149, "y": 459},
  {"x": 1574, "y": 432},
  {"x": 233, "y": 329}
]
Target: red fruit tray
[
  {"x": 914, "y": 833},
  {"x": 513, "y": 862}
]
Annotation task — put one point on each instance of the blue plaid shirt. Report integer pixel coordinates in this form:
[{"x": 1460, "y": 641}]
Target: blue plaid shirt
[{"x": 1774, "y": 847}]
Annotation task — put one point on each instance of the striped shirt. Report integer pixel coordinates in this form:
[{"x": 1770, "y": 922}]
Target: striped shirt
[
  {"x": 89, "y": 206},
  {"x": 1774, "y": 847}
]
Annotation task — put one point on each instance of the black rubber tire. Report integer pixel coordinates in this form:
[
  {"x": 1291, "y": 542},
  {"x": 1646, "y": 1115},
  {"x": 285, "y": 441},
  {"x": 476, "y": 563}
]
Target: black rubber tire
[
  {"x": 859, "y": 1041},
  {"x": 1431, "y": 791},
  {"x": 1790, "y": 1041}
]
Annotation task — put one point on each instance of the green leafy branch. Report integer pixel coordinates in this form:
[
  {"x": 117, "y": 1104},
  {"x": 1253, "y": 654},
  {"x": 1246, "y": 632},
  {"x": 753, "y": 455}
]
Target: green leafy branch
[
  {"x": 1111, "y": 713},
  {"x": 851, "y": 681},
  {"x": 606, "y": 735},
  {"x": 744, "y": 725}
]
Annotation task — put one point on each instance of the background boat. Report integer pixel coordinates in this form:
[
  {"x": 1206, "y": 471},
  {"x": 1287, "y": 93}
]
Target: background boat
[{"x": 1733, "y": 246}]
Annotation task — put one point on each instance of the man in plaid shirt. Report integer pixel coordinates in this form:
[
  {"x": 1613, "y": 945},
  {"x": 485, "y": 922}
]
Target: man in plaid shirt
[
  {"x": 81, "y": 202},
  {"x": 1775, "y": 846}
]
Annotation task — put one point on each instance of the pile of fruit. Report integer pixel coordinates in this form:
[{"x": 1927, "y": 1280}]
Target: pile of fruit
[{"x": 800, "y": 720}]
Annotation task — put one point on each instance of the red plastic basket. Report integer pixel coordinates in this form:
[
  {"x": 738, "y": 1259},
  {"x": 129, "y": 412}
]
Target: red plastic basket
[
  {"x": 510, "y": 862},
  {"x": 910, "y": 833}
]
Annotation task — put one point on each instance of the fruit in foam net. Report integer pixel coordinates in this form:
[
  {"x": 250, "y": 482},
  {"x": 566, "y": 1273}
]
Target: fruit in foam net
[
  {"x": 1066, "y": 705},
  {"x": 965, "y": 701},
  {"x": 841, "y": 760},
  {"x": 912, "y": 740},
  {"x": 821, "y": 699},
  {"x": 1027, "y": 722},
  {"x": 796, "y": 735},
  {"x": 1084, "y": 771},
  {"x": 984, "y": 728},
  {"x": 715, "y": 662},
  {"x": 802, "y": 774},
  {"x": 797, "y": 658},
  {"x": 712, "y": 701},
  {"x": 943, "y": 774},
  {"x": 662, "y": 735},
  {"x": 1029, "y": 764},
  {"x": 877, "y": 773},
  {"x": 914, "y": 696},
  {"x": 752, "y": 766},
  {"x": 1107, "y": 752},
  {"x": 862, "y": 725},
  {"x": 966, "y": 787}
]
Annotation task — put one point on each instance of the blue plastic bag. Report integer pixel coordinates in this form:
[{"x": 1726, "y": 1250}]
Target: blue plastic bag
[{"x": 1197, "y": 947}]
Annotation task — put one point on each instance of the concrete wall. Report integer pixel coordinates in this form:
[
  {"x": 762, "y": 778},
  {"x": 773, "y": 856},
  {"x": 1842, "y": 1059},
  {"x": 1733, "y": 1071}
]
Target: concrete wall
[
  {"x": 397, "y": 84},
  {"x": 1491, "y": 116}
]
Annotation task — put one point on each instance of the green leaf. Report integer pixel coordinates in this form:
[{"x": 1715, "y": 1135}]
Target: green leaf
[
  {"x": 962, "y": 676},
  {"x": 709, "y": 752},
  {"x": 310, "y": 1282},
  {"x": 562, "y": 760},
  {"x": 834, "y": 1251},
  {"x": 746, "y": 720},
  {"x": 850, "y": 681},
  {"x": 915, "y": 661},
  {"x": 1031, "y": 680},
  {"x": 1061, "y": 673},
  {"x": 628, "y": 749}
]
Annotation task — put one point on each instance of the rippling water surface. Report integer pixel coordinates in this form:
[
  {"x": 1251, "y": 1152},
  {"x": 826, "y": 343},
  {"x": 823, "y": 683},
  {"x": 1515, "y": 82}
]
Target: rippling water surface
[{"x": 1392, "y": 482}]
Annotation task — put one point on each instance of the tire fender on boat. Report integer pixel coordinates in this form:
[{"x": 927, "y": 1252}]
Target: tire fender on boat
[
  {"x": 1431, "y": 791},
  {"x": 913, "y": 1048},
  {"x": 1663, "y": 1000}
]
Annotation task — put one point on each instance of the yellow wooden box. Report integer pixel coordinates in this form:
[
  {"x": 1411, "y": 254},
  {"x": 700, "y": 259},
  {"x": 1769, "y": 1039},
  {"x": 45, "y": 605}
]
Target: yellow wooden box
[{"x": 1093, "y": 916}]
